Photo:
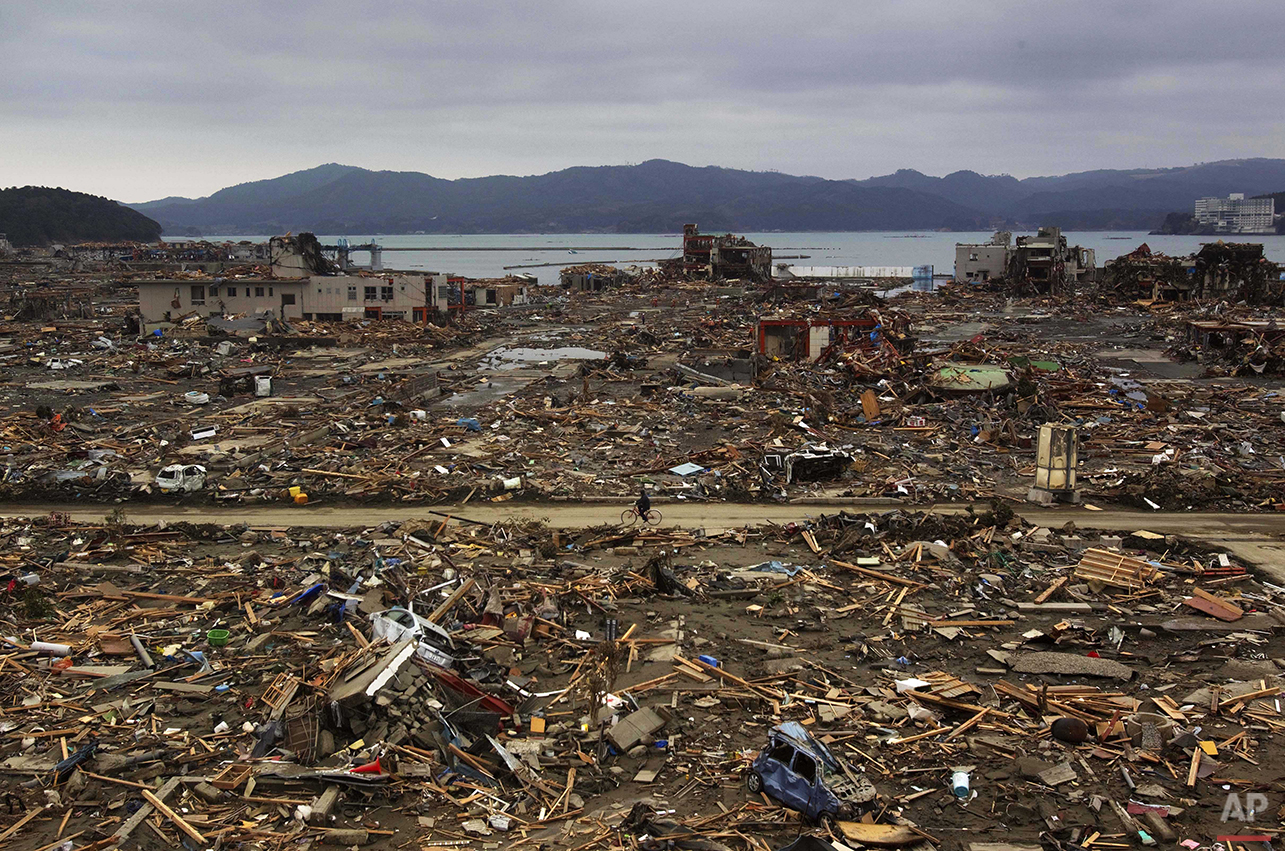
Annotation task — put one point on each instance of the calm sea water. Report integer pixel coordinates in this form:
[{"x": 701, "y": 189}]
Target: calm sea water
[{"x": 486, "y": 256}]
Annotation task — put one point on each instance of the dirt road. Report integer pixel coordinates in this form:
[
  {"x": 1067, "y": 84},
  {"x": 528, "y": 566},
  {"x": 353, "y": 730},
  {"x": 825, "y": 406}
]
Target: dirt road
[
  {"x": 712, "y": 516},
  {"x": 1257, "y": 538}
]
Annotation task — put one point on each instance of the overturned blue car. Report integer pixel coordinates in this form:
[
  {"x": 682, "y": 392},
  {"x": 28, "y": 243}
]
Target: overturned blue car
[{"x": 802, "y": 774}]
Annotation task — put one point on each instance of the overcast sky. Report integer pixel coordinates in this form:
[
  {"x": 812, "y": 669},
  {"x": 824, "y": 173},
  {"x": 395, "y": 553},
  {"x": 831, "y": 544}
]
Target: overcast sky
[{"x": 140, "y": 100}]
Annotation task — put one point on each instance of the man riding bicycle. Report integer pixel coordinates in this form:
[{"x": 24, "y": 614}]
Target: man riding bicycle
[
  {"x": 640, "y": 512},
  {"x": 643, "y": 504}
]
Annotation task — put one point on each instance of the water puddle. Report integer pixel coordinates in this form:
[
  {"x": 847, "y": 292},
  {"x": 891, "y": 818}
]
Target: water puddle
[
  {"x": 516, "y": 358},
  {"x": 483, "y": 393}
]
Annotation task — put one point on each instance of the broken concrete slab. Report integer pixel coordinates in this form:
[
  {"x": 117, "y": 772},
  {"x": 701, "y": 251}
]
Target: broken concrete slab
[
  {"x": 1058, "y": 774},
  {"x": 1067, "y": 664},
  {"x": 633, "y": 728}
]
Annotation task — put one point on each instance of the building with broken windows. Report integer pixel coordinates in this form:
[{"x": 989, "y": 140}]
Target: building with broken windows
[
  {"x": 307, "y": 284},
  {"x": 1046, "y": 264},
  {"x": 1236, "y": 271},
  {"x": 723, "y": 257},
  {"x": 324, "y": 298},
  {"x": 591, "y": 277},
  {"x": 165, "y": 300},
  {"x": 457, "y": 294}
]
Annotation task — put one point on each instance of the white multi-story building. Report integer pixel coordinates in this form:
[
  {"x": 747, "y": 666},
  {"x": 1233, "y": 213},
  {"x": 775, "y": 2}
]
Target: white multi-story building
[{"x": 1237, "y": 214}]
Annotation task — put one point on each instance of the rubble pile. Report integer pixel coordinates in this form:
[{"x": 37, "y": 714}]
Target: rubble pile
[{"x": 929, "y": 678}]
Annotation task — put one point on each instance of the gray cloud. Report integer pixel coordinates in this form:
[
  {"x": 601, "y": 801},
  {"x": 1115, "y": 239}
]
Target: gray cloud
[{"x": 142, "y": 99}]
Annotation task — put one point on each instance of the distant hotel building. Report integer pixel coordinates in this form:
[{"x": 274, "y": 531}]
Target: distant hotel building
[{"x": 1237, "y": 214}]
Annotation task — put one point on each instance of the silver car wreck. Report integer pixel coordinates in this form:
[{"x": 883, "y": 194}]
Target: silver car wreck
[
  {"x": 804, "y": 775},
  {"x": 432, "y": 643},
  {"x": 181, "y": 478}
]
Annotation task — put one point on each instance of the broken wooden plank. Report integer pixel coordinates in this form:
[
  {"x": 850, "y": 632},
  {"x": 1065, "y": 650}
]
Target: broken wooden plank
[
  {"x": 874, "y": 574},
  {"x": 18, "y": 825},
  {"x": 140, "y": 815},
  {"x": 1224, "y": 610},
  {"x": 1245, "y": 698},
  {"x": 177, "y": 819},
  {"x": 1049, "y": 591},
  {"x": 450, "y": 601}
]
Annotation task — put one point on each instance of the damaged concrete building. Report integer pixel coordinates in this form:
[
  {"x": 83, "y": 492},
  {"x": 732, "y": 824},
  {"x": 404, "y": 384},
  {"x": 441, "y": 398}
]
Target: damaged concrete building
[
  {"x": 167, "y": 300},
  {"x": 983, "y": 261},
  {"x": 456, "y": 293},
  {"x": 1046, "y": 264},
  {"x": 1236, "y": 271},
  {"x": 722, "y": 257},
  {"x": 306, "y": 284},
  {"x": 1146, "y": 275},
  {"x": 322, "y": 298},
  {"x": 299, "y": 256}
]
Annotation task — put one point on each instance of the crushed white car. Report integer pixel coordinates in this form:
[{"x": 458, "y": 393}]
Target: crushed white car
[
  {"x": 181, "y": 477},
  {"x": 433, "y": 644}
]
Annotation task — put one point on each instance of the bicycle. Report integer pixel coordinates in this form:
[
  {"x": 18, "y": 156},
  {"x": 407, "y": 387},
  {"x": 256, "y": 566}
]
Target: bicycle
[{"x": 630, "y": 516}]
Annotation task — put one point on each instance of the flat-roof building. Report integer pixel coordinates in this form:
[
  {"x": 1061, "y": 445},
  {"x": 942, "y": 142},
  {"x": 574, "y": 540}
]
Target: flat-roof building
[
  {"x": 165, "y": 300},
  {"x": 1237, "y": 214},
  {"x": 983, "y": 261}
]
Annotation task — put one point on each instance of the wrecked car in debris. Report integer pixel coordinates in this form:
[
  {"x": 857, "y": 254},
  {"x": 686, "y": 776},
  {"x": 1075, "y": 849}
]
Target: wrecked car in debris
[
  {"x": 432, "y": 643},
  {"x": 814, "y": 463},
  {"x": 184, "y": 478},
  {"x": 804, "y": 775}
]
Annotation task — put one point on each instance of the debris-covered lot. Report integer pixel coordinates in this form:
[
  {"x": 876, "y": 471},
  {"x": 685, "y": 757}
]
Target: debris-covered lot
[
  {"x": 458, "y": 673},
  {"x": 954, "y": 680},
  {"x": 691, "y": 390}
]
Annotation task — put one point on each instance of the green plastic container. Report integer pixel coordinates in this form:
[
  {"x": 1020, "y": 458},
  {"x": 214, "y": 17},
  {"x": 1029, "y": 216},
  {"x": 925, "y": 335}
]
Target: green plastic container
[{"x": 217, "y": 637}]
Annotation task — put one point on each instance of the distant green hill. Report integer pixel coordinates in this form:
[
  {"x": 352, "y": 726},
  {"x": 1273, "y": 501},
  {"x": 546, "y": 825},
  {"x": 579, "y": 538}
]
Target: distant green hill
[
  {"x": 658, "y": 196},
  {"x": 38, "y": 215},
  {"x": 652, "y": 197}
]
